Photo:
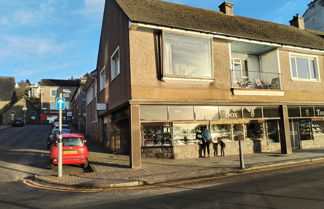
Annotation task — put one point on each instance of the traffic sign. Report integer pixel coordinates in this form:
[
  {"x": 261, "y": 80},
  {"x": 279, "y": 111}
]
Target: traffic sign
[{"x": 60, "y": 103}]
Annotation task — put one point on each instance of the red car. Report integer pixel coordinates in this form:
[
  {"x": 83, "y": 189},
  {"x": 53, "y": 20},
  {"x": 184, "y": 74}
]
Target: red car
[{"x": 75, "y": 151}]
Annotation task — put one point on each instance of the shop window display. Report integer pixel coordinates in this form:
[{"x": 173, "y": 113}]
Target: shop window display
[
  {"x": 305, "y": 130},
  {"x": 318, "y": 127},
  {"x": 254, "y": 131},
  {"x": 221, "y": 130},
  {"x": 156, "y": 134},
  {"x": 273, "y": 131},
  {"x": 185, "y": 133}
]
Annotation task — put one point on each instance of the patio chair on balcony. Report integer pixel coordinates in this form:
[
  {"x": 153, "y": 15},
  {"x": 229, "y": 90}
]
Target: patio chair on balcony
[
  {"x": 275, "y": 83},
  {"x": 243, "y": 83},
  {"x": 259, "y": 84}
]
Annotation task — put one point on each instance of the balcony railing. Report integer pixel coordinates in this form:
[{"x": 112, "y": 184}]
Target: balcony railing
[{"x": 256, "y": 80}]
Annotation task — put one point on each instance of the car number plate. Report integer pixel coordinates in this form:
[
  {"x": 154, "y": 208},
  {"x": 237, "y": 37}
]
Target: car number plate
[{"x": 70, "y": 152}]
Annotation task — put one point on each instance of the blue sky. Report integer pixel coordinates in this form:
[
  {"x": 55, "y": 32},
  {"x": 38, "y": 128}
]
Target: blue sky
[{"x": 59, "y": 39}]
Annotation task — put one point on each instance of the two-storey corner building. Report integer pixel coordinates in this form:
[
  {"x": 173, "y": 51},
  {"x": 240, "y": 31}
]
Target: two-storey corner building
[
  {"x": 90, "y": 88},
  {"x": 170, "y": 69},
  {"x": 314, "y": 15},
  {"x": 52, "y": 88}
]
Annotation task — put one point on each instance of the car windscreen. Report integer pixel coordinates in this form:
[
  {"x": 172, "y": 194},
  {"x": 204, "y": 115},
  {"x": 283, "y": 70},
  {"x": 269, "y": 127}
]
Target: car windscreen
[
  {"x": 72, "y": 141},
  {"x": 64, "y": 131}
]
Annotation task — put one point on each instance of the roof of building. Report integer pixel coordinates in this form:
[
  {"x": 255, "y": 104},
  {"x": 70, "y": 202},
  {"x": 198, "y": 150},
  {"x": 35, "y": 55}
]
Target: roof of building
[
  {"x": 55, "y": 82},
  {"x": 7, "y": 87},
  {"x": 191, "y": 18}
]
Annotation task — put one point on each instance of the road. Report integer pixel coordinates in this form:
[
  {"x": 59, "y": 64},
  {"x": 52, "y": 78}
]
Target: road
[
  {"x": 298, "y": 187},
  {"x": 23, "y": 153}
]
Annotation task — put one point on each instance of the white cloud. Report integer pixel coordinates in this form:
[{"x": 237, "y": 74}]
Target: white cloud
[
  {"x": 93, "y": 7},
  {"x": 4, "y": 21},
  {"x": 25, "y": 17},
  {"x": 25, "y": 72},
  {"x": 23, "y": 47}
]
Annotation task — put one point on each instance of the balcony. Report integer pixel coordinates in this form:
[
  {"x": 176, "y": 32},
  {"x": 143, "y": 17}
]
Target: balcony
[
  {"x": 255, "y": 69},
  {"x": 256, "y": 80}
]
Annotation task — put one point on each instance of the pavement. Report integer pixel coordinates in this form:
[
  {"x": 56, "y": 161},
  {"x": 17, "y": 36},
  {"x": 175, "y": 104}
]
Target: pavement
[
  {"x": 111, "y": 170},
  {"x": 4, "y": 127}
]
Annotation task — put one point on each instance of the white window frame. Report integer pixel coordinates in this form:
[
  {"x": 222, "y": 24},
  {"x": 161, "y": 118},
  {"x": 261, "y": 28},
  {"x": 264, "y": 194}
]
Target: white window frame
[
  {"x": 102, "y": 78},
  {"x": 113, "y": 71},
  {"x": 308, "y": 57},
  {"x": 169, "y": 76},
  {"x": 51, "y": 92},
  {"x": 241, "y": 62}
]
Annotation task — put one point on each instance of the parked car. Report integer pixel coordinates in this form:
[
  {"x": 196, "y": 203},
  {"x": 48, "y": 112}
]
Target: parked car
[
  {"x": 75, "y": 150},
  {"x": 18, "y": 122},
  {"x": 54, "y": 134}
]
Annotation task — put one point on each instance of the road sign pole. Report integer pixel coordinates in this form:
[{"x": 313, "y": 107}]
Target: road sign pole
[{"x": 59, "y": 167}]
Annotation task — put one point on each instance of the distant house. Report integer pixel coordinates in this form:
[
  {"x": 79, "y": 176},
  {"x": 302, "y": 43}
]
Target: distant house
[
  {"x": 7, "y": 94},
  {"x": 52, "y": 88},
  {"x": 78, "y": 105},
  {"x": 23, "y": 108},
  {"x": 90, "y": 88},
  {"x": 314, "y": 15}
]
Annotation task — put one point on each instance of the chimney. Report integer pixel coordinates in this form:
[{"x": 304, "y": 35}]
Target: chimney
[
  {"x": 297, "y": 22},
  {"x": 226, "y": 8}
]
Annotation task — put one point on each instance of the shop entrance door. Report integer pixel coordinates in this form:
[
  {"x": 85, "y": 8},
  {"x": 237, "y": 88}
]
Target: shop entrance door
[{"x": 294, "y": 134}]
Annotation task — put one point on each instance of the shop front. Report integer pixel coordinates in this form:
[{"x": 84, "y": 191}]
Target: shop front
[
  {"x": 169, "y": 131},
  {"x": 306, "y": 126}
]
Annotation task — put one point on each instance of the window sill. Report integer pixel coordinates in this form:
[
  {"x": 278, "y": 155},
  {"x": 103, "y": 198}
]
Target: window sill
[
  {"x": 257, "y": 92},
  {"x": 198, "y": 80}
]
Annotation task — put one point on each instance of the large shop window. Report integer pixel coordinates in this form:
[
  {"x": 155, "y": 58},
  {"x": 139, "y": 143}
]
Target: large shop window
[
  {"x": 318, "y": 127},
  {"x": 273, "y": 133},
  {"x": 304, "y": 68},
  {"x": 305, "y": 129},
  {"x": 156, "y": 134},
  {"x": 223, "y": 131},
  {"x": 186, "y": 133},
  {"x": 186, "y": 56},
  {"x": 254, "y": 131}
]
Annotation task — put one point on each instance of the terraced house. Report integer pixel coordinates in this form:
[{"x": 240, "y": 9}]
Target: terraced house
[{"x": 165, "y": 70}]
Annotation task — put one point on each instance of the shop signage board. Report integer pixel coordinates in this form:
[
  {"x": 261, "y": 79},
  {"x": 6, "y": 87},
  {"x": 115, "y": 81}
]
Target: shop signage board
[
  {"x": 230, "y": 112},
  {"x": 181, "y": 113},
  {"x": 319, "y": 111},
  {"x": 101, "y": 106},
  {"x": 252, "y": 112},
  {"x": 307, "y": 111},
  {"x": 207, "y": 112}
]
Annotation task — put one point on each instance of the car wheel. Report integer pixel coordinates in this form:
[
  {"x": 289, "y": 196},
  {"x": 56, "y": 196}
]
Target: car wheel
[
  {"x": 86, "y": 164},
  {"x": 51, "y": 165}
]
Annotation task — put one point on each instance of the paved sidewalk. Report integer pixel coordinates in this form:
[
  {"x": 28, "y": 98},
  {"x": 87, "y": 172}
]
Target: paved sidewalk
[
  {"x": 113, "y": 171},
  {"x": 4, "y": 127}
]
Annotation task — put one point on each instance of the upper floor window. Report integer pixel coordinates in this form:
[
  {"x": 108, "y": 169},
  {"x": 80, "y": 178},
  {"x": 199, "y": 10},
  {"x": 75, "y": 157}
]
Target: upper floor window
[
  {"x": 304, "y": 67},
  {"x": 53, "y": 92},
  {"x": 187, "y": 56},
  {"x": 102, "y": 79},
  {"x": 115, "y": 64}
]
